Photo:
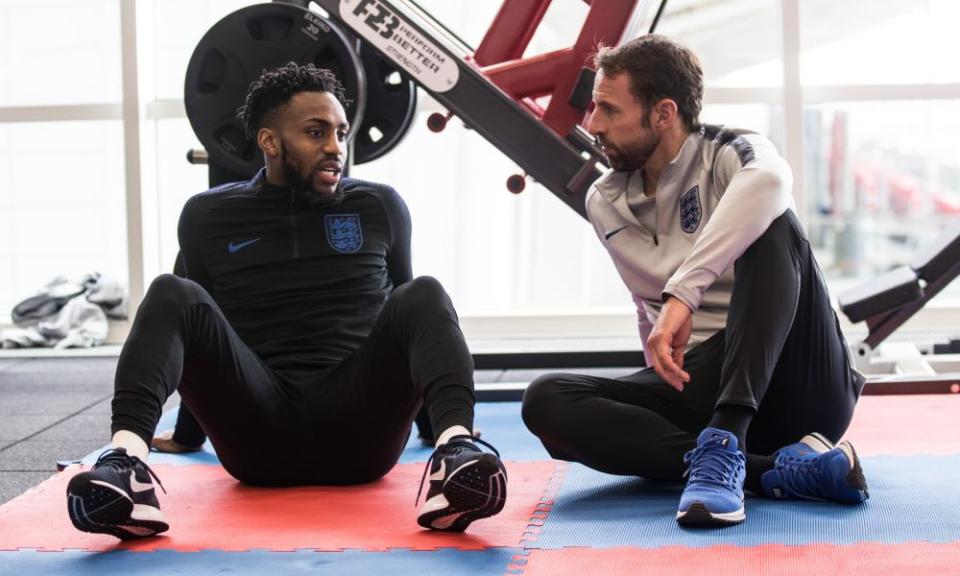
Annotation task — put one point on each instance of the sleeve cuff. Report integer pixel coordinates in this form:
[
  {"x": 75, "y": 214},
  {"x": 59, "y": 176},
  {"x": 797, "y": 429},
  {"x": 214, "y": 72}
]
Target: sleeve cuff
[{"x": 689, "y": 287}]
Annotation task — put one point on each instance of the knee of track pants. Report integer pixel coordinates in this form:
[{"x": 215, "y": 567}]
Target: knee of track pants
[{"x": 421, "y": 296}]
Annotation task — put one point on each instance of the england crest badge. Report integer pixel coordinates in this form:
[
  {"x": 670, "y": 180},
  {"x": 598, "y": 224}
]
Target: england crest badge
[
  {"x": 690, "y": 210},
  {"x": 343, "y": 232}
]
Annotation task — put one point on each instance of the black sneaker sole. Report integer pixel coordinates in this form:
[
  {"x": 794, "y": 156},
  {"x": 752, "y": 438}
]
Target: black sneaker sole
[
  {"x": 100, "y": 510},
  {"x": 698, "y": 515},
  {"x": 476, "y": 491}
]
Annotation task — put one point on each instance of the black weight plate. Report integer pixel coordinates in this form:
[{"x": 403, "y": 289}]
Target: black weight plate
[
  {"x": 235, "y": 51},
  {"x": 391, "y": 105}
]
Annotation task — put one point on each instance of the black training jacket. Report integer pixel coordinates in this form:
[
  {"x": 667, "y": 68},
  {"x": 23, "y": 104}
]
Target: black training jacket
[{"x": 302, "y": 285}]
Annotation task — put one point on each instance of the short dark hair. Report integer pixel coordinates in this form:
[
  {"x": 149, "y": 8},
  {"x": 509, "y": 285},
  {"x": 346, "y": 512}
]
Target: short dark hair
[
  {"x": 276, "y": 87},
  {"x": 659, "y": 68}
]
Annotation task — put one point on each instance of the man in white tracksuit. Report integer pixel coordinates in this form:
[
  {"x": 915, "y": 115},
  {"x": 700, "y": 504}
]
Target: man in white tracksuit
[{"x": 749, "y": 382}]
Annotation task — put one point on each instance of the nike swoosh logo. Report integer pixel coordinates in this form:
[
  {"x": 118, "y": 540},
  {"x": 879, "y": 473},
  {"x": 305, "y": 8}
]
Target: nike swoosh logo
[
  {"x": 441, "y": 472},
  {"x": 232, "y": 248},
  {"x": 136, "y": 485},
  {"x": 610, "y": 234}
]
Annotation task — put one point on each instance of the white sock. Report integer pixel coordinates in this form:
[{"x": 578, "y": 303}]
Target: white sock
[
  {"x": 451, "y": 432},
  {"x": 134, "y": 445}
]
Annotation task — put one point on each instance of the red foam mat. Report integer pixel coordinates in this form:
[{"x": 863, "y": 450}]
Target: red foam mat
[
  {"x": 906, "y": 425},
  {"x": 208, "y": 509},
  {"x": 871, "y": 558}
]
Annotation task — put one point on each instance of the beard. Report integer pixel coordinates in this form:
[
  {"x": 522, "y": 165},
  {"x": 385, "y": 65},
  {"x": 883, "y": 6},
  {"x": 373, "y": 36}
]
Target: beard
[
  {"x": 631, "y": 156},
  {"x": 303, "y": 188}
]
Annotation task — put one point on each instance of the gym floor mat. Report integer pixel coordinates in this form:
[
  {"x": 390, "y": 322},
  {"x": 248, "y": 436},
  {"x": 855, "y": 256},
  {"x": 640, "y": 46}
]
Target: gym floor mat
[
  {"x": 922, "y": 424},
  {"x": 208, "y": 510},
  {"x": 259, "y": 563},
  {"x": 561, "y": 519},
  {"x": 919, "y": 558},
  {"x": 907, "y": 503}
]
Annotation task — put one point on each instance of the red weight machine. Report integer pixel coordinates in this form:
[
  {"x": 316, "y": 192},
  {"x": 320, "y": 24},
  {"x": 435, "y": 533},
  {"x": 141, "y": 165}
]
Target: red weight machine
[{"x": 495, "y": 89}]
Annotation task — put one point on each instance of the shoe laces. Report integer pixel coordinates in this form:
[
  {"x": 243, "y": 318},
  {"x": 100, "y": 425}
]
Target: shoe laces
[
  {"x": 118, "y": 459},
  {"x": 800, "y": 473},
  {"x": 711, "y": 463},
  {"x": 454, "y": 446}
]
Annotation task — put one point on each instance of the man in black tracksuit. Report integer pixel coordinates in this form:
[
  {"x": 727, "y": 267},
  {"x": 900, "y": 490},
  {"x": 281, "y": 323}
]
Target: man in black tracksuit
[{"x": 299, "y": 338}]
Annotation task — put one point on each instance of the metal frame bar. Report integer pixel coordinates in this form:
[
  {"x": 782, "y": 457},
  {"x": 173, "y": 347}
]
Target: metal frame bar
[
  {"x": 131, "y": 144},
  {"x": 530, "y": 360},
  {"x": 174, "y": 108},
  {"x": 604, "y": 24},
  {"x": 513, "y": 391},
  {"x": 812, "y": 95},
  {"x": 880, "y": 92},
  {"x": 63, "y": 113},
  {"x": 514, "y": 129},
  {"x": 884, "y": 324},
  {"x": 501, "y": 55},
  {"x": 793, "y": 101},
  {"x": 511, "y": 31},
  {"x": 528, "y": 78}
]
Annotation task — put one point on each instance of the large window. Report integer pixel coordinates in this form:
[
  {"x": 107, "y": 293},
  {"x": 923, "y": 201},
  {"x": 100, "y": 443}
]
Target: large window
[
  {"x": 864, "y": 103},
  {"x": 739, "y": 42},
  {"x": 173, "y": 182},
  {"x": 884, "y": 180},
  {"x": 881, "y": 112},
  {"x": 59, "y": 52},
  {"x": 62, "y": 205},
  {"x": 878, "y": 43},
  {"x": 167, "y": 54}
]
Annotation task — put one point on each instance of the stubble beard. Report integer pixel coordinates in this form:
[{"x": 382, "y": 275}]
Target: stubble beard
[{"x": 303, "y": 188}]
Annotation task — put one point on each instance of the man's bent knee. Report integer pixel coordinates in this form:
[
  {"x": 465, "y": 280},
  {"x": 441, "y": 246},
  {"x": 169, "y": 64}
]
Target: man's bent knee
[
  {"x": 173, "y": 290},
  {"x": 784, "y": 229},
  {"x": 539, "y": 406},
  {"x": 423, "y": 293}
]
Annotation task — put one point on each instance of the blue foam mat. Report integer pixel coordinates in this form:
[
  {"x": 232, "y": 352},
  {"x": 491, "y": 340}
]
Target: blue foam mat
[
  {"x": 499, "y": 423},
  {"x": 493, "y": 561},
  {"x": 908, "y": 502}
]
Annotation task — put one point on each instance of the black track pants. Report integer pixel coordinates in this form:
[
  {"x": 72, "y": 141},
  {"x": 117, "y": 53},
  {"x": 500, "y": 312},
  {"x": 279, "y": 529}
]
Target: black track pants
[
  {"x": 346, "y": 424},
  {"x": 781, "y": 352}
]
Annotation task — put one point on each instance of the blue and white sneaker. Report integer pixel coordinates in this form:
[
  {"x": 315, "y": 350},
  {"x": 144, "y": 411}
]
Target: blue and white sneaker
[
  {"x": 116, "y": 497},
  {"x": 466, "y": 484},
  {"x": 716, "y": 472},
  {"x": 815, "y": 469}
]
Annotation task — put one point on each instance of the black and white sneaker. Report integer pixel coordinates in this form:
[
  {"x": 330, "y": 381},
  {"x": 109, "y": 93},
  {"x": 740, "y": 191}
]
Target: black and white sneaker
[
  {"x": 466, "y": 484},
  {"x": 116, "y": 497}
]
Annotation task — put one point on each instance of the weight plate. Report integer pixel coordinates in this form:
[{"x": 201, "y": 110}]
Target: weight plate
[
  {"x": 391, "y": 106},
  {"x": 236, "y": 50}
]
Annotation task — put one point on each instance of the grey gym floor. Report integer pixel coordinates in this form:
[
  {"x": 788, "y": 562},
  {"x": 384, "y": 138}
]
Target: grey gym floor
[{"x": 59, "y": 409}]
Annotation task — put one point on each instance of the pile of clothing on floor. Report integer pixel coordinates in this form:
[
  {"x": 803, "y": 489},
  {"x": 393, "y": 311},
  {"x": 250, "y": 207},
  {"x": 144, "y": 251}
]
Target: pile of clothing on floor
[{"x": 67, "y": 313}]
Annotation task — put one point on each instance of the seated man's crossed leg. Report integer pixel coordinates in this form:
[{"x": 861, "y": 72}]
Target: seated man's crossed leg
[{"x": 766, "y": 400}]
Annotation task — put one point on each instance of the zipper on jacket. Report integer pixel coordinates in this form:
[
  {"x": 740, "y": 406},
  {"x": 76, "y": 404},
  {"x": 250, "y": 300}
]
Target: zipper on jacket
[
  {"x": 295, "y": 242},
  {"x": 656, "y": 220},
  {"x": 626, "y": 196}
]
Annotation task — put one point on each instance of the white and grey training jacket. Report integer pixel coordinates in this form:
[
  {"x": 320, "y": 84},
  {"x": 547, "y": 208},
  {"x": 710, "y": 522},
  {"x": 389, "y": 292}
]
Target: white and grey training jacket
[{"x": 713, "y": 200}]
